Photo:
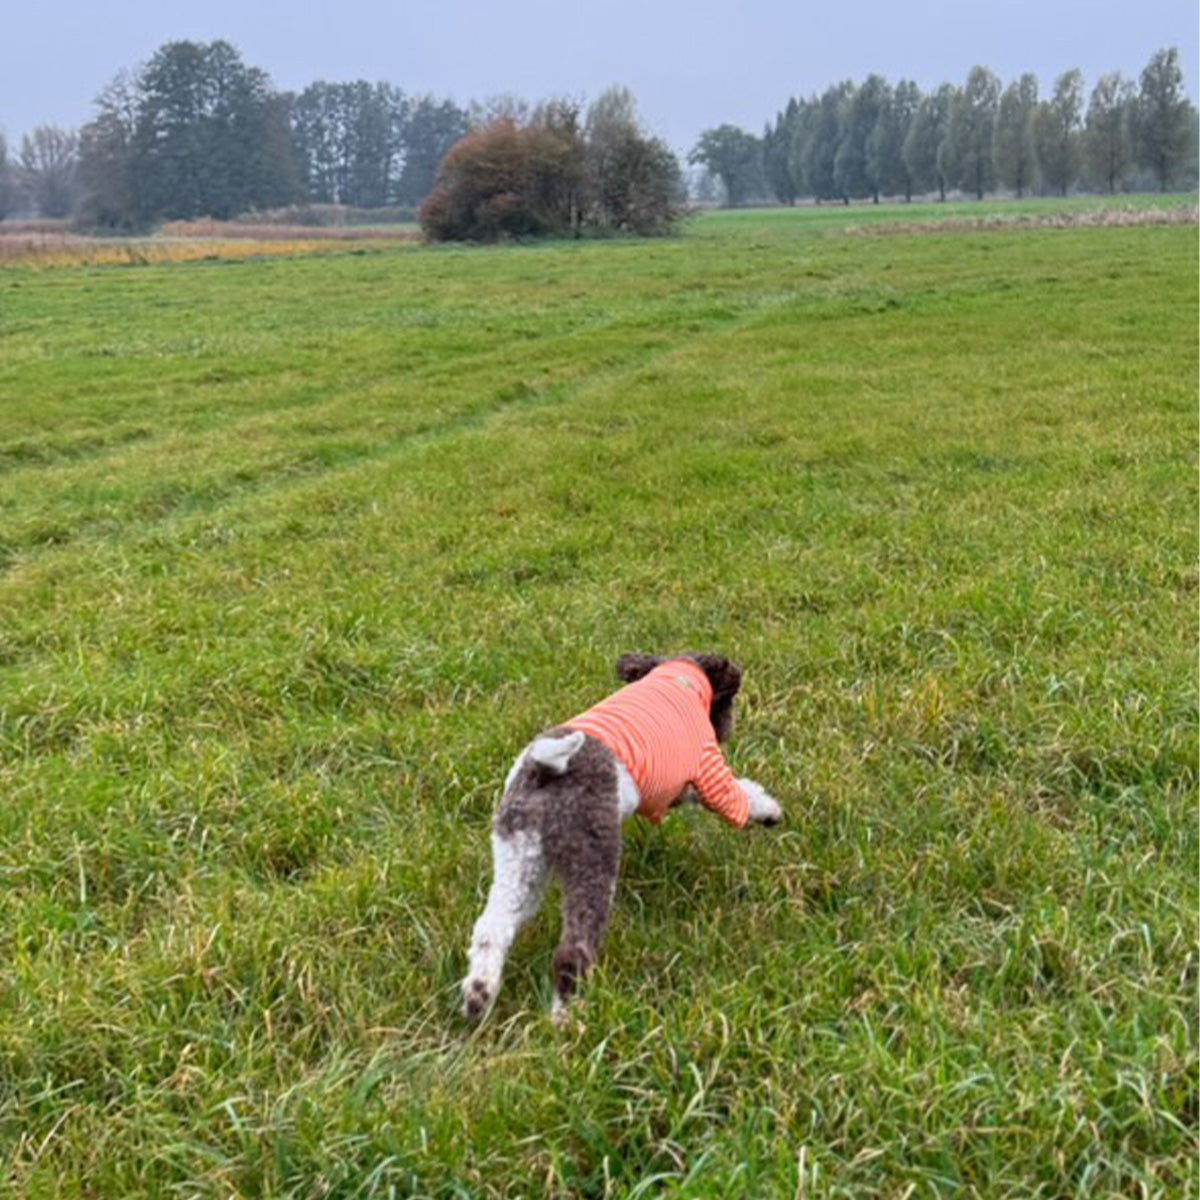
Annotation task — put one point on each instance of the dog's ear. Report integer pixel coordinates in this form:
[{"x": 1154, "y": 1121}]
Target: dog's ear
[
  {"x": 631, "y": 667},
  {"x": 726, "y": 679}
]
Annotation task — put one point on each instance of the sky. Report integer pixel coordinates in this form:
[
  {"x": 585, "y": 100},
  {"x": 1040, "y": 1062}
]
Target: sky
[{"x": 691, "y": 64}]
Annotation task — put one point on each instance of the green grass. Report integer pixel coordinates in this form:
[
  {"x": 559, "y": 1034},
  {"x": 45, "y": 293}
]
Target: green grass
[{"x": 294, "y": 554}]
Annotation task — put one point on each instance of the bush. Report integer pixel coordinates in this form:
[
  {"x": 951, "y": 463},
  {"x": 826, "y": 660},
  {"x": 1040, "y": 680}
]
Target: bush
[
  {"x": 505, "y": 180},
  {"x": 544, "y": 177}
]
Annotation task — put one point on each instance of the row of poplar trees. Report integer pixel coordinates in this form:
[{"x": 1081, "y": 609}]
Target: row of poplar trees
[
  {"x": 872, "y": 139},
  {"x": 196, "y": 132}
]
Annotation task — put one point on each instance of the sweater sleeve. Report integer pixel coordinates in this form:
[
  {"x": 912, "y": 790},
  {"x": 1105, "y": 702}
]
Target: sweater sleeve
[{"x": 718, "y": 789}]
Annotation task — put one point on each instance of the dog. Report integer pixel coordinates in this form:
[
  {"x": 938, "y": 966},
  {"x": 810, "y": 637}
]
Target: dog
[{"x": 651, "y": 745}]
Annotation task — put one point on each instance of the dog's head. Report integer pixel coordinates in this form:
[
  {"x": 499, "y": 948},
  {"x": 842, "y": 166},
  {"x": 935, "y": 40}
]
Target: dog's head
[{"x": 725, "y": 678}]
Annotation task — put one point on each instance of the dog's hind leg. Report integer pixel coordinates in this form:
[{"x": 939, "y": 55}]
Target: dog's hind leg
[
  {"x": 588, "y": 889},
  {"x": 518, "y": 881}
]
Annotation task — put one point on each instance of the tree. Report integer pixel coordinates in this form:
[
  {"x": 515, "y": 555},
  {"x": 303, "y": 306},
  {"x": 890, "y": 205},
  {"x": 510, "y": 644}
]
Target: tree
[
  {"x": 704, "y": 187},
  {"x": 777, "y": 147},
  {"x": 8, "y": 181},
  {"x": 1189, "y": 169},
  {"x": 1056, "y": 132},
  {"x": 106, "y": 152},
  {"x": 967, "y": 151},
  {"x": 735, "y": 156},
  {"x": 923, "y": 145},
  {"x": 195, "y": 132},
  {"x": 377, "y": 115},
  {"x": 49, "y": 167},
  {"x": 633, "y": 181},
  {"x": 851, "y": 166},
  {"x": 885, "y": 146},
  {"x": 249, "y": 135},
  {"x": 349, "y": 140},
  {"x": 803, "y": 131},
  {"x": 1107, "y": 145},
  {"x": 1013, "y": 146},
  {"x": 316, "y": 130},
  {"x": 172, "y": 140},
  {"x": 202, "y": 120},
  {"x": 611, "y": 128},
  {"x": 1163, "y": 118},
  {"x": 823, "y": 136},
  {"x": 432, "y": 127},
  {"x": 276, "y": 179}
]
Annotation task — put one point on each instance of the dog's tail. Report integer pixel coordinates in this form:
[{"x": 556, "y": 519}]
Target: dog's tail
[{"x": 554, "y": 754}]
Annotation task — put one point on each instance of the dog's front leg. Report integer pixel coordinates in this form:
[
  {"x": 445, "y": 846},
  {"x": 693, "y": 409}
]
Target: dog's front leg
[{"x": 764, "y": 809}]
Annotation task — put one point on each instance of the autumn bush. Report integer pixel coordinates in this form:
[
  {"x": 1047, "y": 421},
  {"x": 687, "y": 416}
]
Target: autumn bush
[
  {"x": 548, "y": 175},
  {"x": 506, "y": 180}
]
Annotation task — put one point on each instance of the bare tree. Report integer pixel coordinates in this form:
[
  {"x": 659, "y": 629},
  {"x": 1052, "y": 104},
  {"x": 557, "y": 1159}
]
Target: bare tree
[
  {"x": 106, "y": 154},
  {"x": 50, "y": 169},
  {"x": 8, "y": 181}
]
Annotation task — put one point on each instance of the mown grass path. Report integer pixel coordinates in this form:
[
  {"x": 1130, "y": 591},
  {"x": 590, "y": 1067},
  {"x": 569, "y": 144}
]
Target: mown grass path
[{"x": 295, "y": 553}]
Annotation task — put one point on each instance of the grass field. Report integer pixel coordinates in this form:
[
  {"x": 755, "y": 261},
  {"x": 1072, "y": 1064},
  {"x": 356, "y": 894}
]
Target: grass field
[{"x": 296, "y": 552}]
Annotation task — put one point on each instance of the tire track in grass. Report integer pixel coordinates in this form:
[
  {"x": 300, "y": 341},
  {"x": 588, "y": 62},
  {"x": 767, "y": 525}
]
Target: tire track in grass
[{"x": 180, "y": 500}]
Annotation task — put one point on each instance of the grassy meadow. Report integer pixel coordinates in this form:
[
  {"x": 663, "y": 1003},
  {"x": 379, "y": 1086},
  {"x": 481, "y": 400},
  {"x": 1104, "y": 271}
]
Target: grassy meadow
[{"x": 296, "y": 551}]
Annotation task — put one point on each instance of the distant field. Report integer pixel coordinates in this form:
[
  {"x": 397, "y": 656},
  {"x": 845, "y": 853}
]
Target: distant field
[
  {"x": 296, "y": 551},
  {"x": 53, "y": 244}
]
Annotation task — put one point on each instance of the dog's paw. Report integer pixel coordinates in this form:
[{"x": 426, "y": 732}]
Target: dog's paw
[
  {"x": 560, "y": 1012},
  {"x": 477, "y": 999},
  {"x": 769, "y": 814},
  {"x": 567, "y": 1015},
  {"x": 764, "y": 809}
]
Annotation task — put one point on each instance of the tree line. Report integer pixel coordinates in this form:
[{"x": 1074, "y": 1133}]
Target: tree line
[
  {"x": 874, "y": 139},
  {"x": 198, "y": 132}
]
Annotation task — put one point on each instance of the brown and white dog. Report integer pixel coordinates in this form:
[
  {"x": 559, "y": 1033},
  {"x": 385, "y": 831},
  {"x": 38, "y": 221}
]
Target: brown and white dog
[{"x": 568, "y": 793}]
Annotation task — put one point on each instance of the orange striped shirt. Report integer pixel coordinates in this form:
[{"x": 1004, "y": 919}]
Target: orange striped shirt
[{"x": 659, "y": 728}]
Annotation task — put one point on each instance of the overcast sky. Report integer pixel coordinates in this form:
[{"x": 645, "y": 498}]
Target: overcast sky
[{"x": 692, "y": 64}]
